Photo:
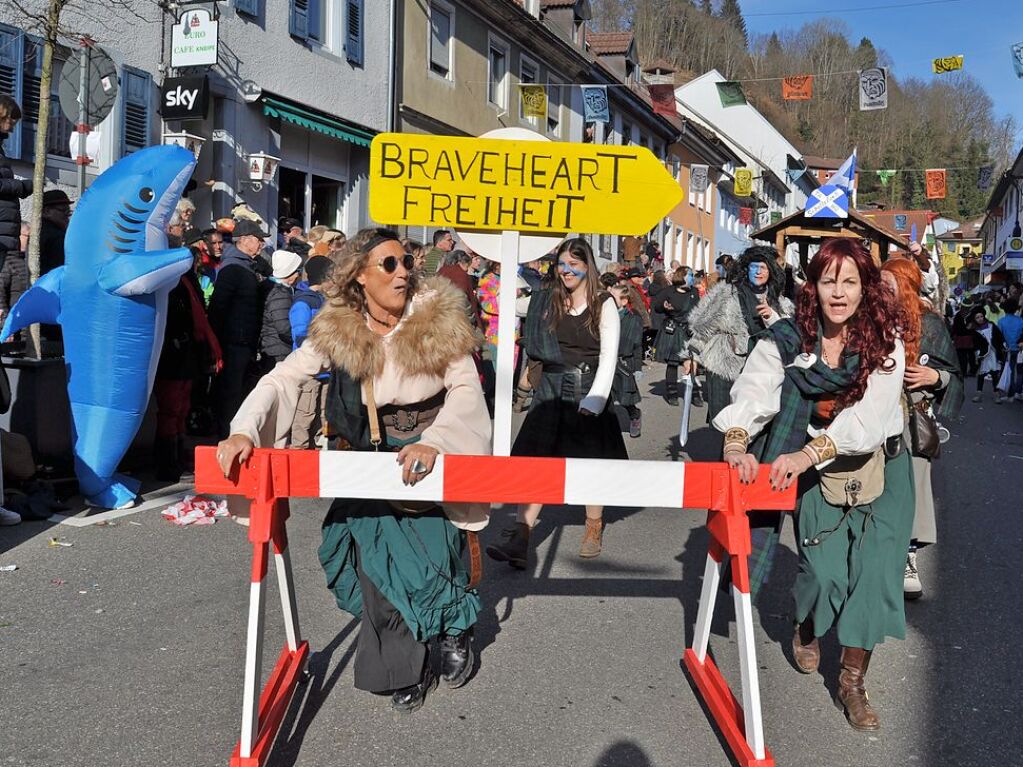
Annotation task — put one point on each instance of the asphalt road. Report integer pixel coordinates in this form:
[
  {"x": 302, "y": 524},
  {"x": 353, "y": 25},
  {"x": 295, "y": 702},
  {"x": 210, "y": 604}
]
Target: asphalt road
[{"x": 127, "y": 647}]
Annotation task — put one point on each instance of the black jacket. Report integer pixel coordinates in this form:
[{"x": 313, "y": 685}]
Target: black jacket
[
  {"x": 275, "y": 337},
  {"x": 51, "y": 247},
  {"x": 12, "y": 191},
  {"x": 236, "y": 307},
  {"x": 682, "y": 302}
]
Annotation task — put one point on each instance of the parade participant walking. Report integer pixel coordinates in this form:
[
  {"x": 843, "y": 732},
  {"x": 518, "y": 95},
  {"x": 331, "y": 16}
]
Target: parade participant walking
[
  {"x": 572, "y": 329},
  {"x": 399, "y": 352},
  {"x": 990, "y": 346},
  {"x": 275, "y": 340},
  {"x": 624, "y": 388},
  {"x": 733, "y": 315},
  {"x": 306, "y": 303},
  {"x": 827, "y": 387},
  {"x": 934, "y": 384},
  {"x": 674, "y": 305},
  {"x": 1011, "y": 326}
]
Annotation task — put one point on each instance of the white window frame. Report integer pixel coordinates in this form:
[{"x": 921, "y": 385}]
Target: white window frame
[
  {"x": 449, "y": 9},
  {"x": 526, "y": 61},
  {"x": 552, "y": 83},
  {"x": 497, "y": 43}
]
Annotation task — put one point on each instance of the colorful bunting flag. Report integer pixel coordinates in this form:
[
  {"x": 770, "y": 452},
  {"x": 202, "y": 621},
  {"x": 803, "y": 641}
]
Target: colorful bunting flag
[
  {"x": 901, "y": 222},
  {"x": 1017, "y": 58},
  {"x": 699, "y": 178},
  {"x": 534, "y": 100},
  {"x": 873, "y": 88},
  {"x": 746, "y": 216},
  {"x": 730, "y": 93},
  {"x": 886, "y": 176},
  {"x": 798, "y": 88},
  {"x": 794, "y": 174},
  {"x": 936, "y": 179},
  {"x": 743, "y": 182},
  {"x": 662, "y": 95},
  {"x": 595, "y": 104},
  {"x": 775, "y": 216},
  {"x": 845, "y": 176},
  {"x": 984, "y": 177},
  {"x": 947, "y": 64}
]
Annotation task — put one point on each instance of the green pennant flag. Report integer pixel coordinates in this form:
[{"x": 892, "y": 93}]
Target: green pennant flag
[
  {"x": 886, "y": 176},
  {"x": 731, "y": 94}
]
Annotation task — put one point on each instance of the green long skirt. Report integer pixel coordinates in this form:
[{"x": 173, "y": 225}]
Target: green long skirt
[{"x": 853, "y": 579}]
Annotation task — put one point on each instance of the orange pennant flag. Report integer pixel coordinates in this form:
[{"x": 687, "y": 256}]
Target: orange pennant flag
[
  {"x": 936, "y": 180},
  {"x": 799, "y": 88}
]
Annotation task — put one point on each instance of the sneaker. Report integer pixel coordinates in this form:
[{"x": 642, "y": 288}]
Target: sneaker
[
  {"x": 998, "y": 398},
  {"x": 8, "y": 517},
  {"x": 636, "y": 427},
  {"x": 976, "y": 398},
  {"x": 1018, "y": 398},
  {"x": 911, "y": 586}
]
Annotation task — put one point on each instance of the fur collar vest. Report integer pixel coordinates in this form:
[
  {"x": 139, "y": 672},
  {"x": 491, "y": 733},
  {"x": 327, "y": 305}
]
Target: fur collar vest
[{"x": 433, "y": 333}]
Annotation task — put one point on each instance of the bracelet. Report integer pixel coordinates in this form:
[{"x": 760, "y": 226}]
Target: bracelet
[
  {"x": 820, "y": 449},
  {"x": 736, "y": 440}
]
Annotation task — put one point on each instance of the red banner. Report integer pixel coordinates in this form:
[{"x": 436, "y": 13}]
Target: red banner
[
  {"x": 746, "y": 216},
  {"x": 798, "y": 88},
  {"x": 936, "y": 184},
  {"x": 663, "y": 98}
]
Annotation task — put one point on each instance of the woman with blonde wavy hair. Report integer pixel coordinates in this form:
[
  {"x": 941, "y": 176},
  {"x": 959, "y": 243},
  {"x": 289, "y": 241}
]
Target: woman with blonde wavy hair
[{"x": 403, "y": 380}]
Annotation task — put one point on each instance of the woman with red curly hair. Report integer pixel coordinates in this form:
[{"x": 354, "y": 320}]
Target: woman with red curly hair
[
  {"x": 934, "y": 384},
  {"x": 819, "y": 399}
]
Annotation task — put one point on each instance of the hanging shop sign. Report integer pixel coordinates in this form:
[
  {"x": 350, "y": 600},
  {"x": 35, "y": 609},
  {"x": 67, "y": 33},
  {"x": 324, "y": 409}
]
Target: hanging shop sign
[
  {"x": 194, "y": 39},
  {"x": 527, "y": 186},
  {"x": 184, "y": 98}
]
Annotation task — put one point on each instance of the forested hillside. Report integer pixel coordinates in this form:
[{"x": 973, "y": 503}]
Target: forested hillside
[{"x": 946, "y": 122}]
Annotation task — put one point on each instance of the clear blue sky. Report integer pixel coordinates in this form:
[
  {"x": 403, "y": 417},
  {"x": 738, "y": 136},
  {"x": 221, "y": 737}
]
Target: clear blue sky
[{"x": 981, "y": 30}]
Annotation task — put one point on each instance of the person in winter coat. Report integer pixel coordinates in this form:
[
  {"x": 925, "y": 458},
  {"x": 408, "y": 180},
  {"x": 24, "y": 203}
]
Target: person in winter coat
[
  {"x": 14, "y": 273},
  {"x": 624, "y": 388},
  {"x": 275, "y": 340},
  {"x": 990, "y": 345},
  {"x": 236, "y": 314},
  {"x": 674, "y": 305},
  {"x": 312, "y": 397},
  {"x": 12, "y": 190}
]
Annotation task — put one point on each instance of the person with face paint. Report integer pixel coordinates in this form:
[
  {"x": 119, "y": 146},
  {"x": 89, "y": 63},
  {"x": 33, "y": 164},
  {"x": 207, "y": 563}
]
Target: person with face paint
[
  {"x": 733, "y": 315},
  {"x": 674, "y": 305},
  {"x": 625, "y": 388},
  {"x": 572, "y": 328}
]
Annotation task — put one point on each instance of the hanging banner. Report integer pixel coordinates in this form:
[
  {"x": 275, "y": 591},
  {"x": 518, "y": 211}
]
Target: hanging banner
[
  {"x": 886, "y": 176},
  {"x": 746, "y": 216},
  {"x": 873, "y": 89},
  {"x": 743, "y": 182},
  {"x": 595, "y": 104},
  {"x": 984, "y": 177},
  {"x": 534, "y": 100},
  {"x": 662, "y": 96},
  {"x": 1017, "y": 58},
  {"x": 775, "y": 216},
  {"x": 794, "y": 174},
  {"x": 731, "y": 94},
  {"x": 947, "y": 64},
  {"x": 194, "y": 40},
  {"x": 936, "y": 184},
  {"x": 798, "y": 88},
  {"x": 901, "y": 222},
  {"x": 699, "y": 178}
]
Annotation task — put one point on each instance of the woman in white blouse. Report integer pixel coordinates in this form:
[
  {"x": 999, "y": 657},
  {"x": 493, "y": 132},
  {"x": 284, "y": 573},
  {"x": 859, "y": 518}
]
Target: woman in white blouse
[
  {"x": 819, "y": 396},
  {"x": 572, "y": 329}
]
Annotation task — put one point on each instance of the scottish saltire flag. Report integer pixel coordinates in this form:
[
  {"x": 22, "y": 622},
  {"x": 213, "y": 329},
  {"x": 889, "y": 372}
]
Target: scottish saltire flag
[{"x": 845, "y": 177}]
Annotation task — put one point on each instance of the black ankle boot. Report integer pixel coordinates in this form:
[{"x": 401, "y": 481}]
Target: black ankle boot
[
  {"x": 408, "y": 699},
  {"x": 457, "y": 659}
]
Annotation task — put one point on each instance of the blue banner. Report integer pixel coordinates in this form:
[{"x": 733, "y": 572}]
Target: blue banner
[
  {"x": 1017, "y": 58},
  {"x": 595, "y": 106}
]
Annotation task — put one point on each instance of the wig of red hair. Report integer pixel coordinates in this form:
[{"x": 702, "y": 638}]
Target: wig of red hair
[
  {"x": 872, "y": 331},
  {"x": 909, "y": 279}
]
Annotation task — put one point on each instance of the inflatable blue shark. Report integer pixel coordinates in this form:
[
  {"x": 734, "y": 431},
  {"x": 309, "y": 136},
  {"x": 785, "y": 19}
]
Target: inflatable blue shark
[{"x": 110, "y": 298}]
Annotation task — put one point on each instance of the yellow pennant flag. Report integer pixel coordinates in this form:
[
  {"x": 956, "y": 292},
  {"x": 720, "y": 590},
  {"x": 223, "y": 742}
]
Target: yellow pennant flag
[
  {"x": 743, "y": 182},
  {"x": 947, "y": 64},
  {"x": 534, "y": 101}
]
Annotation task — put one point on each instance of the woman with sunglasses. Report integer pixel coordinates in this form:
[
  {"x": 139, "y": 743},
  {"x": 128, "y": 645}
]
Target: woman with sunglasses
[
  {"x": 572, "y": 329},
  {"x": 399, "y": 353}
]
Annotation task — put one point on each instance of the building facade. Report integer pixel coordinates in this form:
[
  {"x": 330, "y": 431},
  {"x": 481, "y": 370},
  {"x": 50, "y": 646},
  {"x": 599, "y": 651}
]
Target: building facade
[{"x": 1001, "y": 231}]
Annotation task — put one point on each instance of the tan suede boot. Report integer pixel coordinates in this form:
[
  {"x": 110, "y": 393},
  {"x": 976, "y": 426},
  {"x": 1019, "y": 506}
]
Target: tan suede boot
[
  {"x": 806, "y": 649},
  {"x": 851, "y": 692},
  {"x": 592, "y": 538}
]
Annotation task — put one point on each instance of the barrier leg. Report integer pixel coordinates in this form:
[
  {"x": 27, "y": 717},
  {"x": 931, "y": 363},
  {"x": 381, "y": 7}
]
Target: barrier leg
[
  {"x": 754, "y": 723},
  {"x": 286, "y": 583},
  {"x": 253, "y": 652},
  {"x": 708, "y": 597}
]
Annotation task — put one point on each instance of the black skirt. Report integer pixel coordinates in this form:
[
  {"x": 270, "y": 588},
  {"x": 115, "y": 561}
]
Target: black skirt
[
  {"x": 556, "y": 429},
  {"x": 672, "y": 347}
]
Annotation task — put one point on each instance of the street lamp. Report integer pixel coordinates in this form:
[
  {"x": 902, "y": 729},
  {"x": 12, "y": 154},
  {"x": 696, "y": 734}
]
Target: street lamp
[
  {"x": 262, "y": 168},
  {"x": 188, "y": 141}
]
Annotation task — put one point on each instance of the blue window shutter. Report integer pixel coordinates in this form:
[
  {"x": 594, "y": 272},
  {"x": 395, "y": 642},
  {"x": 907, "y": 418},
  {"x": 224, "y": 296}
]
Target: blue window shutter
[
  {"x": 248, "y": 7},
  {"x": 299, "y": 25},
  {"x": 11, "y": 41},
  {"x": 31, "y": 79},
  {"x": 136, "y": 87},
  {"x": 353, "y": 31}
]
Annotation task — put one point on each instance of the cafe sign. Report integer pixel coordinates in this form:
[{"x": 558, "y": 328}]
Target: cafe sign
[{"x": 194, "y": 40}]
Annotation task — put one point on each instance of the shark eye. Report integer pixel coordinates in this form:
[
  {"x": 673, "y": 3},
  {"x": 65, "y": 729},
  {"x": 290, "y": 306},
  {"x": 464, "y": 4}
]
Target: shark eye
[{"x": 146, "y": 194}]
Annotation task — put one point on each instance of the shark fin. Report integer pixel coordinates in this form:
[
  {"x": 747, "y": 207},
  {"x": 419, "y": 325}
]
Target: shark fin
[
  {"x": 136, "y": 274},
  {"x": 40, "y": 303}
]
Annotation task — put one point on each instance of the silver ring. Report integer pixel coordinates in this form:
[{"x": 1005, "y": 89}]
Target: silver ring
[{"x": 418, "y": 467}]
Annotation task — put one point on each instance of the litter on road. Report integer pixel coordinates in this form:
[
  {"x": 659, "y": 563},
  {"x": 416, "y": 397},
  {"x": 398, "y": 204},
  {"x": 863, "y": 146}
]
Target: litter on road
[{"x": 195, "y": 510}]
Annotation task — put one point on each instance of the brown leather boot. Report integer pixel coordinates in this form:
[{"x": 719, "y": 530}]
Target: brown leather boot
[
  {"x": 592, "y": 538},
  {"x": 851, "y": 693},
  {"x": 515, "y": 548},
  {"x": 806, "y": 649}
]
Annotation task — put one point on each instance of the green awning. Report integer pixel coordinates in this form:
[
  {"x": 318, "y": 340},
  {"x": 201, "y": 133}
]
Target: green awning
[{"x": 314, "y": 121}]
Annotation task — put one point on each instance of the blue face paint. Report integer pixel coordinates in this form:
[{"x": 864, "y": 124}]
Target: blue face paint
[
  {"x": 689, "y": 279},
  {"x": 565, "y": 268},
  {"x": 754, "y": 270},
  {"x": 721, "y": 270}
]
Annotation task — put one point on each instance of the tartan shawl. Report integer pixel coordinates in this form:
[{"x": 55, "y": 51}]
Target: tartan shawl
[
  {"x": 937, "y": 344},
  {"x": 802, "y": 387}
]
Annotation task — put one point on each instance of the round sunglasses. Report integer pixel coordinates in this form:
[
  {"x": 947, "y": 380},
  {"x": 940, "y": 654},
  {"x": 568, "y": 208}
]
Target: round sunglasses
[{"x": 390, "y": 264}]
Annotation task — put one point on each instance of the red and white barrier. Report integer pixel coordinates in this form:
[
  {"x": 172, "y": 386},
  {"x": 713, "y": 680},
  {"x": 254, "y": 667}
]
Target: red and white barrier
[{"x": 270, "y": 477}]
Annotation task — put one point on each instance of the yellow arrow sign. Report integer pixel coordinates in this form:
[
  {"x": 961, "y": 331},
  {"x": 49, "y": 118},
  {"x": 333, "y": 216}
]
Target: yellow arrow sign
[{"x": 529, "y": 186}]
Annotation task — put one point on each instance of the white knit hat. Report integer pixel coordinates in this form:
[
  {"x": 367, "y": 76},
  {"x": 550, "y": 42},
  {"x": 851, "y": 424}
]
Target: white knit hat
[{"x": 285, "y": 263}]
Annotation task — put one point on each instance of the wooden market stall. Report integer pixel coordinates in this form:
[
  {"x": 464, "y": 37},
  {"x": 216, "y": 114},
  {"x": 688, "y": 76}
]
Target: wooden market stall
[{"x": 802, "y": 231}]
